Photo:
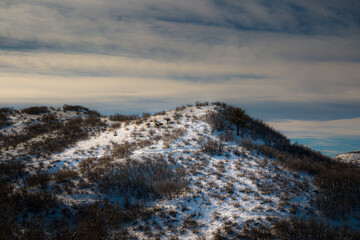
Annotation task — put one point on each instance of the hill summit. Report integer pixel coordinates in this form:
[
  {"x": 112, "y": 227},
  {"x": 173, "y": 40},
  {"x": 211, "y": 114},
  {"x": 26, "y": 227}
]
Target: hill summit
[
  {"x": 203, "y": 171},
  {"x": 350, "y": 157}
]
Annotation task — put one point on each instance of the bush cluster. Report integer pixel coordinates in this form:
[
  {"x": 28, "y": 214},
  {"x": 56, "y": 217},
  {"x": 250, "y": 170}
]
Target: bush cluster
[
  {"x": 123, "y": 150},
  {"x": 228, "y": 117},
  {"x": 123, "y": 118},
  {"x": 81, "y": 109},
  {"x": 4, "y": 119},
  {"x": 150, "y": 178},
  {"x": 216, "y": 120},
  {"x": 314, "y": 229},
  {"x": 64, "y": 175},
  {"x": 339, "y": 196},
  {"x": 212, "y": 147},
  {"x": 35, "y": 110},
  {"x": 75, "y": 108},
  {"x": 338, "y": 183},
  {"x": 67, "y": 134},
  {"x": 39, "y": 179},
  {"x": 11, "y": 169}
]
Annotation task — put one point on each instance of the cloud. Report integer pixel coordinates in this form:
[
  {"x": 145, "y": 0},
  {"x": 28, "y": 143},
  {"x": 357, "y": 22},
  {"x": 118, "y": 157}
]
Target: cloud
[
  {"x": 279, "y": 59},
  {"x": 301, "y": 110},
  {"x": 319, "y": 129},
  {"x": 246, "y": 79}
]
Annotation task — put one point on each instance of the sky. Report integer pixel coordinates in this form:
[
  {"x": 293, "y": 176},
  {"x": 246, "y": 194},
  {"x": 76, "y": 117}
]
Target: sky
[{"x": 293, "y": 64}]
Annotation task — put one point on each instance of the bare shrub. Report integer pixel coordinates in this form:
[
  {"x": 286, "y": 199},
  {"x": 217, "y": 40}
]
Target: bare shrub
[
  {"x": 229, "y": 188},
  {"x": 49, "y": 117},
  {"x": 227, "y": 136},
  {"x": 171, "y": 136},
  {"x": 93, "y": 225},
  {"x": 33, "y": 202},
  {"x": 115, "y": 126},
  {"x": 123, "y": 150},
  {"x": 86, "y": 164},
  {"x": 299, "y": 229},
  {"x": 7, "y": 229},
  {"x": 67, "y": 134},
  {"x": 216, "y": 120},
  {"x": 4, "y": 120},
  {"x": 10, "y": 169},
  {"x": 122, "y": 118},
  {"x": 75, "y": 108},
  {"x": 201, "y": 104},
  {"x": 340, "y": 191},
  {"x": 190, "y": 223},
  {"x": 4, "y": 123},
  {"x": 35, "y": 110},
  {"x": 95, "y": 174},
  {"x": 65, "y": 175},
  {"x": 38, "y": 179},
  {"x": 34, "y": 232},
  {"x": 143, "y": 179},
  {"x": 6, "y": 110},
  {"x": 212, "y": 147},
  {"x": 171, "y": 189},
  {"x": 144, "y": 143}
]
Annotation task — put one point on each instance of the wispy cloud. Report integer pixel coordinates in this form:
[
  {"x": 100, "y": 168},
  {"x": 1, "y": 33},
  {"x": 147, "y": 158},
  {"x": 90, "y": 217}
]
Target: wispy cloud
[
  {"x": 279, "y": 54},
  {"x": 331, "y": 137},
  {"x": 319, "y": 129}
]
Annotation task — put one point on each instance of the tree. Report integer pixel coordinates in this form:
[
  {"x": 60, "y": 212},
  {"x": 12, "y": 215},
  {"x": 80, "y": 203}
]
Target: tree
[{"x": 238, "y": 117}]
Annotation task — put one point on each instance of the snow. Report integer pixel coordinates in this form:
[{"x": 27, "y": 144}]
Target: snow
[
  {"x": 350, "y": 157},
  {"x": 223, "y": 188}
]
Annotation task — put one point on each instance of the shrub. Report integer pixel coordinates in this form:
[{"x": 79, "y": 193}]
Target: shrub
[
  {"x": 75, "y": 108},
  {"x": 33, "y": 202},
  {"x": 170, "y": 189},
  {"x": 171, "y": 136},
  {"x": 115, "y": 126},
  {"x": 50, "y": 117},
  {"x": 122, "y": 118},
  {"x": 67, "y": 134},
  {"x": 123, "y": 150},
  {"x": 35, "y": 110},
  {"x": 340, "y": 191},
  {"x": 143, "y": 179},
  {"x": 212, "y": 147},
  {"x": 65, "y": 175},
  {"x": 312, "y": 229},
  {"x": 86, "y": 164},
  {"x": 338, "y": 183},
  {"x": 11, "y": 169},
  {"x": 6, "y": 110},
  {"x": 216, "y": 120},
  {"x": 201, "y": 104},
  {"x": 7, "y": 229},
  {"x": 93, "y": 225},
  {"x": 38, "y": 179},
  {"x": 4, "y": 123}
]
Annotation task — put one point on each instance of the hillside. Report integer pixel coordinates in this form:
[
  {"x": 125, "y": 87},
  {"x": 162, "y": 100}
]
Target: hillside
[
  {"x": 350, "y": 157},
  {"x": 207, "y": 171}
]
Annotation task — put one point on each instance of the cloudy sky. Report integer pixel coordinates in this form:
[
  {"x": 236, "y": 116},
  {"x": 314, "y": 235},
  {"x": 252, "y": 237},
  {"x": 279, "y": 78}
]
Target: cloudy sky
[{"x": 294, "y": 64}]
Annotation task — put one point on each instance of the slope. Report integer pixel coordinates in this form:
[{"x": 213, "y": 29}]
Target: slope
[{"x": 190, "y": 173}]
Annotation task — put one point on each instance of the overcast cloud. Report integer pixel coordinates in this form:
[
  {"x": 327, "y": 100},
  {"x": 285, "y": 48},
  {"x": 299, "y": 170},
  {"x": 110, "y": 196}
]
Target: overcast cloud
[{"x": 297, "y": 60}]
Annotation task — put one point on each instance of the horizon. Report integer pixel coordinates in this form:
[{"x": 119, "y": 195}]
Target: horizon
[{"x": 294, "y": 65}]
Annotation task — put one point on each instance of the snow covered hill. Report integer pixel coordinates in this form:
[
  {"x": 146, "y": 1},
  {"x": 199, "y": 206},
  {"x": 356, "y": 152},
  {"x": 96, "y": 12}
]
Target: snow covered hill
[
  {"x": 350, "y": 157},
  {"x": 181, "y": 174}
]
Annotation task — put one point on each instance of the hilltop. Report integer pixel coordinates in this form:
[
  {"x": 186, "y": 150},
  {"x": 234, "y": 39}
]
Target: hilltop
[
  {"x": 350, "y": 157},
  {"x": 203, "y": 171}
]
